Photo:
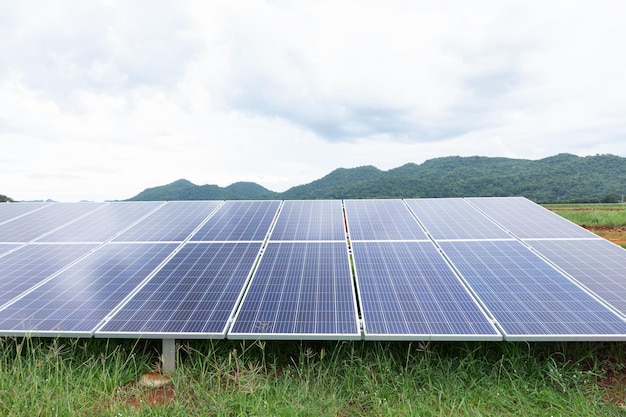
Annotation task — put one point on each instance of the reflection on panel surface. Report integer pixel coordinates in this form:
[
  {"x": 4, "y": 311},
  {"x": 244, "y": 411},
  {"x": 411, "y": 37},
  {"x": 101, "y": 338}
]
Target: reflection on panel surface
[
  {"x": 454, "y": 218},
  {"x": 38, "y": 223},
  {"x": 172, "y": 222},
  {"x": 193, "y": 294},
  {"x": 75, "y": 301},
  {"x": 32, "y": 264},
  {"x": 9, "y": 211},
  {"x": 103, "y": 224}
]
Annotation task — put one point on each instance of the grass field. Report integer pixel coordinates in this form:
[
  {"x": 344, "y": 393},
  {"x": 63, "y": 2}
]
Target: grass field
[
  {"x": 95, "y": 377},
  {"x": 56, "y": 377},
  {"x": 606, "y": 220}
]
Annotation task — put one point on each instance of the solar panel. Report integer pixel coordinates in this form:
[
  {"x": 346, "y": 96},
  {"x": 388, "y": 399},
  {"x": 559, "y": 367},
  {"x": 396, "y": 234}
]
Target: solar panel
[
  {"x": 193, "y": 295},
  {"x": 103, "y": 224},
  {"x": 39, "y": 222},
  {"x": 598, "y": 264},
  {"x": 7, "y": 247},
  {"x": 75, "y": 301},
  {"x": 381, "y": 220},
  {"x": 31, "y": 264},
  {"x": 454, "y": 218},
  {"x": 526, "y": 219},
  {"x": 529, "y": 299},
  {"x": 488, "y": 268},
  {"x": 310, "y": 220},
  {"x": 299, "y": 290},
  {"x": 10, "y": 211},
  {"x": 408, "y": 291},
  {"x": 239, "y": 221},
  {"x": 172, "y": 222}
]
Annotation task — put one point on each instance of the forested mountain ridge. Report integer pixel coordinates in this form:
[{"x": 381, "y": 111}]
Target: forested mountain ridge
[
  {"x": 186, "y": 190},
  {"x": 559, "y": 178}
]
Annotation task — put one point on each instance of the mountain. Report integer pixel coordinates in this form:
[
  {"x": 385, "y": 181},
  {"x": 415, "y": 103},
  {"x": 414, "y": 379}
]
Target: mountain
[
  {"x": 341, "y": 181},
  {"x": 559, "y": 178},
  {"x": 186, "y": 190}
]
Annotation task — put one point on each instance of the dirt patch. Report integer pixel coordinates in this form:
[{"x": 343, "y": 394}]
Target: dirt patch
[
  {"x": 146, "y": 393},
  {"x": 150, "y": 397},
  {"x": 614, "y": 387}
]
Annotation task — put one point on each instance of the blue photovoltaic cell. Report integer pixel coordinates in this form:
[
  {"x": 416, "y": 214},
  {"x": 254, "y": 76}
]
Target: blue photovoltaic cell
[
  {"x": 39, "y": 222},
  {"x": 597, "y": 264},
  {"x": 300, "y": 290},
  {"x": 310, "y": 220},
  {"x": 408, "y": 290},
  {"x": 79, "y": 298},
  {"x": 103, "y": 224},
  {"x": 172, "y": 222},
  {"x": 31, "y": 264},
  {"x": 381, "y": 220},
  {"x": 10, "y": 211},
  {"x": 194, "y": 293},
  {"x": 530, "y": 299},
  {"x": 528, "y": 220},
  {"x": 454, "y": 218},
  {"x": 239, "y": 221}
]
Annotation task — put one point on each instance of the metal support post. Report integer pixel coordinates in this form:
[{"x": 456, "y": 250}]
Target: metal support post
[{"x": 169, "y": 356}]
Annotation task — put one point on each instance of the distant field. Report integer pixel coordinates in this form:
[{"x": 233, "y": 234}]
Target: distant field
[{"x": 605, "y": 220}]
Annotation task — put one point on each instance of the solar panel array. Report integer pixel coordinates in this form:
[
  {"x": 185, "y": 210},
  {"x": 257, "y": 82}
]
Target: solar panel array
[{"x": 417, "y": 269}]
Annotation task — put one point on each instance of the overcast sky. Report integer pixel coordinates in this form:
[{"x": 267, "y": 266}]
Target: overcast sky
[{"x": 102, "y": 99}]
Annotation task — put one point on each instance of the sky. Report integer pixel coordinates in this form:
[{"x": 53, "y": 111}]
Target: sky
[{"x": 102, "y": 99}]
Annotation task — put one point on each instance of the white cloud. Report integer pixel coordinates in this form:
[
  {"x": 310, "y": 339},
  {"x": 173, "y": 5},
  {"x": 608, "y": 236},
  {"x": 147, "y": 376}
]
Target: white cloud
[{"x": 99, "y": 100}]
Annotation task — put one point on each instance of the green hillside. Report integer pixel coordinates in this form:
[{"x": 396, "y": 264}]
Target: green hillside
[
  {"x": 186, "y": 190},
  {"x": 559, "y": 178}
]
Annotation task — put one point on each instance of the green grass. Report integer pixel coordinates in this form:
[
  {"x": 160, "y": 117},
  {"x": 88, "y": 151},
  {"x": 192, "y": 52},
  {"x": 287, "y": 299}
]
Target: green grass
[
  {"x": 93, "y": 377},
  {"x": 611, "y": 215}
]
